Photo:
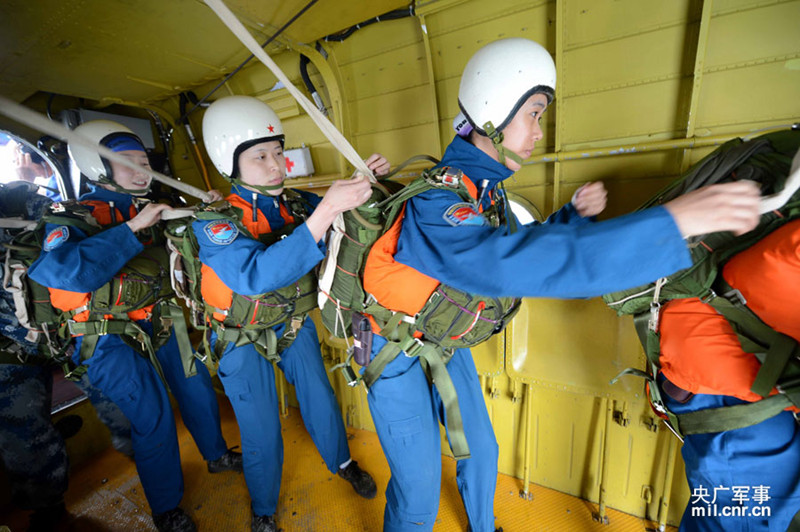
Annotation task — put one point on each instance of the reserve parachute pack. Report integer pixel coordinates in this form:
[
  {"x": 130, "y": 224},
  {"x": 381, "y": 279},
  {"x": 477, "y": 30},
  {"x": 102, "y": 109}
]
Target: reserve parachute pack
[
  {"x": 766, "y": 160},
  {"x": 250, "y": 318},
  {"x": 450, "y": 319}
]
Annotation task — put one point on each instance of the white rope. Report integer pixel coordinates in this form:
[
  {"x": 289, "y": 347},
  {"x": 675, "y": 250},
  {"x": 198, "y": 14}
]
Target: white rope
[
  {"x": 776, "y": 201},
  {"x": 325, "y": 125},
  {"x": 37, "y": 121}
]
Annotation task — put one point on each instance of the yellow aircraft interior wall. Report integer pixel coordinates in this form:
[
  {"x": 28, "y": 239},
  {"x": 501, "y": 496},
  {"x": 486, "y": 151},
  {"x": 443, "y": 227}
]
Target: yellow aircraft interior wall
[{"x": 632, "y": 75}]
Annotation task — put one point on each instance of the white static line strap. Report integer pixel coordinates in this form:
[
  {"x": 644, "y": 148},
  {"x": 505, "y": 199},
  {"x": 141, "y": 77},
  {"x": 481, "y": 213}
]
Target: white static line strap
[
  {"x": 776, "y": 201},
  {"x": 37, "y": 121},
  {"x": 325, "y": 125}
]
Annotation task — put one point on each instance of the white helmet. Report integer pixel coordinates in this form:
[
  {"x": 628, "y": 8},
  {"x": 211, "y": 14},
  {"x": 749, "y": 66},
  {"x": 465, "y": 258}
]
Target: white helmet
[
  {"x": 499, "y": 78},
  {"x": 111, "y": 135},
  {"x": 234, "y": 123}
]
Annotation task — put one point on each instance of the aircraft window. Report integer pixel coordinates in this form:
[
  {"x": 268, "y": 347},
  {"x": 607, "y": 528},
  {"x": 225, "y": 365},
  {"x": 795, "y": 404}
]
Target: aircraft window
[
  {"x": 525, "y": 211},
  {"x": 20, "y": 160}
]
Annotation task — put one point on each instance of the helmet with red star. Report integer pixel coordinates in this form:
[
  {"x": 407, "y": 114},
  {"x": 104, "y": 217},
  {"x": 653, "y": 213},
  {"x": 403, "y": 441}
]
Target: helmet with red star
[{"x": 235, "y": 123}]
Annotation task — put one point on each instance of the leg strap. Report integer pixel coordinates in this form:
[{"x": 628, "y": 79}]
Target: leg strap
[{"x": 434, "y": 363}]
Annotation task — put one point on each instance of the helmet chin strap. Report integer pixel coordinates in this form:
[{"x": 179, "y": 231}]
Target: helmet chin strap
[
  {"x": 265, "y": 190},
  {"x": 497, "y": 141},
  {"x": 114, "y": 185}
]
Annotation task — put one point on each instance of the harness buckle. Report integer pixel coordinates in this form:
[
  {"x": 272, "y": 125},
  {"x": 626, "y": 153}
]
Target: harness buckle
[
  {"x": 710, "y": 297},
  {"x": 735, "y": 296},
  {"x": 450, "y": 179},
  {"x": 416, "y": 346},
  {"x": 655, "y": 311},
  {"x": 292, "y": 327}
]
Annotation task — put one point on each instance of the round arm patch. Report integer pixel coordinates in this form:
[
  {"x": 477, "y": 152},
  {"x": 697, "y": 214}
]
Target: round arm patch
[
  {"x": 56, "y": 237},
  {"x": 221, "y": 232}
]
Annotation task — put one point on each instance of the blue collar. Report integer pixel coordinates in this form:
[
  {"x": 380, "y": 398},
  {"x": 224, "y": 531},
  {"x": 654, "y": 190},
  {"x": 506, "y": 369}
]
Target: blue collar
[{"x": 474, "y": 163}]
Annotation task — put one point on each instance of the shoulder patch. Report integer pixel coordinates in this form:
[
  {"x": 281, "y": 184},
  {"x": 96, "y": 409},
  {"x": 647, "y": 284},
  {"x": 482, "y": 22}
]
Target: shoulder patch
[
  {"x": 56, "y": 237},
  {"x": 221, "y": 232},
  {"x": 463, "y": 214}
]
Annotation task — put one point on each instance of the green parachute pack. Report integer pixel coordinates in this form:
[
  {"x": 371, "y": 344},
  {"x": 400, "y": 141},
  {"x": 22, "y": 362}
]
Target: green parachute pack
[{"x": 766, "y": 160}]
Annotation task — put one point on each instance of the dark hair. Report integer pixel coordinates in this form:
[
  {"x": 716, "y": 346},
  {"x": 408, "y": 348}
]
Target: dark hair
[{"x": 249, "y": 144}]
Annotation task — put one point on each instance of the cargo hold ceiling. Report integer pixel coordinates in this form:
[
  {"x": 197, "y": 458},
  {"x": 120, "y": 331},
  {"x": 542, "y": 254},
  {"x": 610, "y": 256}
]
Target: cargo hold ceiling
[{"x": 147, "y": 50}]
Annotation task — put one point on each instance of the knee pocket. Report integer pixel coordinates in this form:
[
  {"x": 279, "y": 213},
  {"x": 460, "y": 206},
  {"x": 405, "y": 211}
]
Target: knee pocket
[
  {"x": 238, "y": 390},
  {"x": 405, "y": 430}
]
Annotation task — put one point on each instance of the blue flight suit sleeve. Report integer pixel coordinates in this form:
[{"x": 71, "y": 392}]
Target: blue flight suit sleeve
[
  {"x": 84, "y": 264},
  {"x": 567, "y": 214},
  {"x": 553, "y": 260},
  {"x": 250, "y": 267}
]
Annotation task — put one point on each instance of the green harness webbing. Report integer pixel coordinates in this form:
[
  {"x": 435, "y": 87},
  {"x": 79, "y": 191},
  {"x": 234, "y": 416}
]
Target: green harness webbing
[
  {"x": 398, "y": 329},
  {"x": 433, "y": 359},
  {"x": 264, "y": 339},
  {"x": 166, "y": 313},
  {"x": 779, "y": 369}
]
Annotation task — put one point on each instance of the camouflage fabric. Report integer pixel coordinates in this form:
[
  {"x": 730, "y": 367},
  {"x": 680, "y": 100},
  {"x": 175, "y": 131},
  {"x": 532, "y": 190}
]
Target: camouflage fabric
[
  {"x": 31, "y": 449},
  {"x": 17, "y": 199}
]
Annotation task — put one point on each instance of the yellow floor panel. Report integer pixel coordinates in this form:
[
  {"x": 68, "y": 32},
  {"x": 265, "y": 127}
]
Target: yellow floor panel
[{"x": 105, "y": 494}]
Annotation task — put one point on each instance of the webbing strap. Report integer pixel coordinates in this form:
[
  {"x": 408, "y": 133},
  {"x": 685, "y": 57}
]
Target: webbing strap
[
  {"x": 23, "y": 359},
  {"x": 325, "y": 125},
  {"x": 93, "y": 330},
  {"x": 264, "y": 339},
  {"x": 432, "y": 360},
  {"x": 171, "y": 314},
  {"x": 754, "y": 335},
  {"x": 434, "y": 365},
  {"x": 778, "y": 356},
  {"x": 732, "y": 417}
]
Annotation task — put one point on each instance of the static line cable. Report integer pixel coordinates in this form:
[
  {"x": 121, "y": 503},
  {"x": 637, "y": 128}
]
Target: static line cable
[
  {"x": 31, "y": 118},
  {"x": 325, "y": 125},
  {"x": 238, "y": 68}
]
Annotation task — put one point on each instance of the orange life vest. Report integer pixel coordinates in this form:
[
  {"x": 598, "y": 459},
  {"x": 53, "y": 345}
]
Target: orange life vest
[
  {"x": 215, "y": 292},
  {"x": 700, "y": 351},
  {"x": 398, "y": 287}
]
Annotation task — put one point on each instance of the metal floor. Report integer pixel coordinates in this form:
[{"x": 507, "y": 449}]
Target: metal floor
[{"x": 105, "y": 494}]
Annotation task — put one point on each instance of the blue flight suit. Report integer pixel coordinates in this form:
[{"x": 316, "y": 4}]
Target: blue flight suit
[
  {"x": 566, "y": 258},
  {"x": 247, "y": 266},
  {"x": 766, "y": 454},
  {"x": 84, "y": 264}
]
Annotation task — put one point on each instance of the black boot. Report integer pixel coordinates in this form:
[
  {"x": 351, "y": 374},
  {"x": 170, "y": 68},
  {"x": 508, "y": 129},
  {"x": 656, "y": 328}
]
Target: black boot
[
  {"x": 230, "y": 461},
  {"x": 263, "y": 523},
  {"x": 360, "y": 480},
  {"x": 47, "y": 519},
  {"x": 174, "y": 520}
]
